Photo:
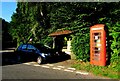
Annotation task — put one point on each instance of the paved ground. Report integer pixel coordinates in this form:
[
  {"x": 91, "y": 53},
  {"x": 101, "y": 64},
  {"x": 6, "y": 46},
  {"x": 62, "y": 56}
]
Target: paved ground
[{"x": 31, "y": 70}]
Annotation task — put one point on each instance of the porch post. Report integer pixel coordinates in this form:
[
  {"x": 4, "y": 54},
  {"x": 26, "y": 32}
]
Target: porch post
[{"x": 54, "y": 42}]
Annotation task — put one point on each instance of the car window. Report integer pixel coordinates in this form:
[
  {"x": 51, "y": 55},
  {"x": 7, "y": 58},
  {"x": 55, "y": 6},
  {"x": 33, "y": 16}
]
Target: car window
[
  {"x": 24, "y": 47},
  {"x": 30, "y": 47}
]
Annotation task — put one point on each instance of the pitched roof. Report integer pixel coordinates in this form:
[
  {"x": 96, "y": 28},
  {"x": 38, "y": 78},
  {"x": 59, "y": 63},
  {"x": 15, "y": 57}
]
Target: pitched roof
[{"x": 62, "y": 32}]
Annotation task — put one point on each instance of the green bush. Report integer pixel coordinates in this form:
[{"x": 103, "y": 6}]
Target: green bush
[
  {"x": 80, "y": 45},
  {"x": 114, "y": 30}
]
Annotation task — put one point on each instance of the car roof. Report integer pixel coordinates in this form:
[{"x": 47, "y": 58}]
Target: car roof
[{"x": 38, "y": 45}]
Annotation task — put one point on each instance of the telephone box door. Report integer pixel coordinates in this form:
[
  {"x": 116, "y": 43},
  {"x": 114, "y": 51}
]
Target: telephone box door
[{"x": 97, "y": 45}]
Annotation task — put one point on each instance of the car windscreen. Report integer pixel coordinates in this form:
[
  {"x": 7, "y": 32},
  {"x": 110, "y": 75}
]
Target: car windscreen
[{"x": 42, "y": 48}]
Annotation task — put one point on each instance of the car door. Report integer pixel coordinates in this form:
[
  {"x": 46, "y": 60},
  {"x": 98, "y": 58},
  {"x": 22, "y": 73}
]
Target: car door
[
  {"x": 32, "y": 52},
  {"x": 23, "y": 51}
]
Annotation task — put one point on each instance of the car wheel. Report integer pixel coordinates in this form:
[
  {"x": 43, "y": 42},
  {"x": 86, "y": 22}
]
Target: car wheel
[{"x": 39, "y": 60}]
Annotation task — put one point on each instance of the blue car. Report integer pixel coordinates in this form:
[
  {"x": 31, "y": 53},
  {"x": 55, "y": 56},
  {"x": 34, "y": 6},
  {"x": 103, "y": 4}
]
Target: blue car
[{"x": 36, "y": 52}]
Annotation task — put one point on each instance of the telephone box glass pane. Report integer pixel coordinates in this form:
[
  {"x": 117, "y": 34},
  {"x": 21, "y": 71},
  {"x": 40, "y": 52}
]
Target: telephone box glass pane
[{"x": 96, "y": 46}]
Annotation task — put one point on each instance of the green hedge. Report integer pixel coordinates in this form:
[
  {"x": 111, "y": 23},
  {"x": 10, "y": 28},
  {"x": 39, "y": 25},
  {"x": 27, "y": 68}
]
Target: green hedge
[
  {"x": 114, "y": 32},
  {"x": 81, "y": 44}
]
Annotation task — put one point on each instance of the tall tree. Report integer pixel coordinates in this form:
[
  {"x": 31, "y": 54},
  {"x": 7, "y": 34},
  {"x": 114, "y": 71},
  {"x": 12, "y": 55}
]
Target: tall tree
[{"x": 6, "y": 37}]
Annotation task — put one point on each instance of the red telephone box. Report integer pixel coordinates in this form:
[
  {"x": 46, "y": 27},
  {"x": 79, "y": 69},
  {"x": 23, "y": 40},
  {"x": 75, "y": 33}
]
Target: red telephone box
[{"x": 98, "y": 45}]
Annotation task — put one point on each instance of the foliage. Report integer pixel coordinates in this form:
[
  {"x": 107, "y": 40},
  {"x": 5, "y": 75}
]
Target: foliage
[
  {"x": 5, "y": 28},
  {"x": 6, "y": 37},
  {"x": 80, "y": 45},
  {"x": 28, "y": 23},
  {"x": 115, "y": 45},
  {"x": 112, "y": 21}
]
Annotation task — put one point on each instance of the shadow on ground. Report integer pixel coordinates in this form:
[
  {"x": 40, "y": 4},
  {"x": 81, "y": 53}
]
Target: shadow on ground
[
  {"x": 10, "y": 58},
  {"x": 62, "y": 57}
]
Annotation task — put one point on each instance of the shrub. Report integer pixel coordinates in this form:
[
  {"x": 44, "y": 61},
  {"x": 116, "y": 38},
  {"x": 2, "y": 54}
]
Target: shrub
[{"x": 80, "y": 45}]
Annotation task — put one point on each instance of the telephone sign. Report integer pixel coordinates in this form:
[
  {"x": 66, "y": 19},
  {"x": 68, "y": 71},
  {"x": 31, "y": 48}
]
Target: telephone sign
[{"x": 98, "y": 45}]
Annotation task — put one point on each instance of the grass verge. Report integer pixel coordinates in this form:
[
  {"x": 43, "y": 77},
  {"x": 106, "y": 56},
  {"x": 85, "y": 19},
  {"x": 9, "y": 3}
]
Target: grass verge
[{"x": 107, "y": 71}]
